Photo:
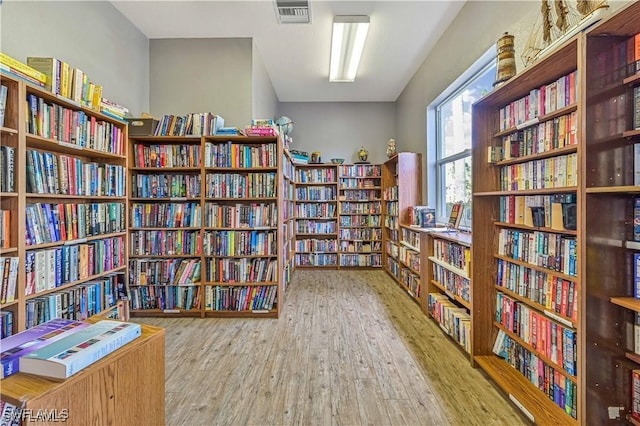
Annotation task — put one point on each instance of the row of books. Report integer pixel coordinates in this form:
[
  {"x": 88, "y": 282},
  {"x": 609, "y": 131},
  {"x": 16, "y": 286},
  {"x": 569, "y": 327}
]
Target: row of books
[
  {"x": 548, "y": 211},
  {"x": 540, "y": 102},
  {"x": 246, "y": 215},
  {"x": 390, "y": 193},
  {"x": 240, "y": 298},
  {"x": 555, "y": 294},
  {"x": 242, "y": 270},
  {"x": 349, "y": 246},
  {"x": 192, "y": 124},
  {"x": 166, "y": 215},
  {"x": 8, "y": 279},
  {"x": 75, "y": 127},
  {"x": 166, "y": 298},
  {"x": 553, "y": 172},
  {"x": 245, "y": 185},
  {"x": 350, "y": 207},
  {"x": 360, "y": 234},
  {"x": 454, "y": 320},
  {"x": 48, "y": 173},
  {"x": 357, "y": 221},
  {"x": 360, "y": 170},
  {"x": 162, "y": 243},
  {"x": 393, "y": 208},
  {"x": 549, "y": 250},
  {"x": 166, "y": 186},
  {"x": 306, "y": 226},
  {"x": 50, "y": 223},
  {"x": 542, "y": 137},
  {"x": 22, "y": 71},
  {"x": 359, "y": 183},
  {"x": 636, "y": 109},
  {"x": 166, "y": 155},
  {"x": 164, "y": 272},
  {"x": 240, "y": 243},
  {"x": 409, "y": 257},
  {"x": 6, "y": 323},
  {"x": 50, "y": 268},
  {"x": 316, "y": 175},
  {"x": 452, "y": 253},
  {"x": 373, "y": 260},
  {"x": 4, "y": 93},
  {"x": 310, "y": 245},
  {"x": 240, "y": 155},
  {"x": 552, "y": 340},
  {"x": 315, "y": 210},
  {"x": 352, "y": 194},
  {"x": 323, "y": 193},
  {"x": 316, "y": 259},
  {"x": 77, "y": 303},
  {"x": 558, "y": 387},
  {"x": 411, "y": 237},
  {"x": 411, "y": 282},
  {"x": 454, "y": 284},
  {"x": 7, "y": 174},
  {"x": 394, "y": 268},
  {"x": 61, "y": 348},
  {"x": 5, "y": 229}
]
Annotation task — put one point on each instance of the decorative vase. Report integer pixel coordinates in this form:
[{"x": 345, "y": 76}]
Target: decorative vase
[
  {"x": 363, "y": 154},
  {"x": 506, "y": 67},
  {"x": 391, "y": 148}
]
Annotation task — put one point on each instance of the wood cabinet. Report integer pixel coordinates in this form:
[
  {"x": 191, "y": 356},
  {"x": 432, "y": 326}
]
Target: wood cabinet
[
  {"x": 126, "y": 387},
  {"x": 67, "y": 206}
]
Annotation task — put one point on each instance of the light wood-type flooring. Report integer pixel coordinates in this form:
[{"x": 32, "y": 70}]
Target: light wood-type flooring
[{"x": 350, "y": 348}]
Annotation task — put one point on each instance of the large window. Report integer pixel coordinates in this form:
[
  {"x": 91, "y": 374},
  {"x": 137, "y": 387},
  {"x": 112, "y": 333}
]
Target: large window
[{"x": 453, "y": 137}]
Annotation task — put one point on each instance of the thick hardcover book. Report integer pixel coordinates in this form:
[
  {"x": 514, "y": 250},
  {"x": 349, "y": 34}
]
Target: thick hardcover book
[
  {"x": 20, "y": 344},
  {"x": 67, "y": 356}
]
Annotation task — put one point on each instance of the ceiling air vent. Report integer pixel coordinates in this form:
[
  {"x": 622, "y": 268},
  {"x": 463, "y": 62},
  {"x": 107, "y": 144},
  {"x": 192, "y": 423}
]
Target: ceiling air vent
[{"x": 293, "y": 11}]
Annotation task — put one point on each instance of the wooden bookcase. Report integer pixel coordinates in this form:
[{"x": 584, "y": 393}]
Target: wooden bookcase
[
  {"x": 591, "y": 224},
  {"x": 125, "y": 387},
  {"x": 401, "y": 190},
  {"x": 410, "y": 262},
  {"x": 234, "y": 189},
  {"x": 68, "y": 211},
  {"x": 360, "y": 210},
  {"x": 446, "y": 257},
  {"x": 608, "y": 217},
  {"x": 288, "y": 218},
  {"x": 316, "y": 215}
]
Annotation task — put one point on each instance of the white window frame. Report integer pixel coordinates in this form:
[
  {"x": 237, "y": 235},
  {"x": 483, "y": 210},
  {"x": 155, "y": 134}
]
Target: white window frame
[{"x": 435, "y": 163}]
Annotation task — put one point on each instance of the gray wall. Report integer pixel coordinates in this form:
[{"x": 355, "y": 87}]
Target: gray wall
[
  {"x": 202, "y": 75},
  {"x": 338, "y": 129},
  {"x": 92, "y": 36},
  {"x": 265, "y": 100}
]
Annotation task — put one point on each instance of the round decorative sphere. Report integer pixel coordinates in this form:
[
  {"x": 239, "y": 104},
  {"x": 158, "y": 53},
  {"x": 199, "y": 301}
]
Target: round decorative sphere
[{"x": 285, "y": 124}]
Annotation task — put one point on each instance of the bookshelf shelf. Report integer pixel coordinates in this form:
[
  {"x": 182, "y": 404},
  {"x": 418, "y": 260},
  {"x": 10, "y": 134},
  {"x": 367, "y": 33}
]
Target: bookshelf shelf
[
  {"x": 76, "y": 241},
  {"x": 633, "y": 357},
  {"x": 8, "y": 250},
  {"x": 547, "y": 154},
  {"x": 632, "y": 80},
  {"x": 32, "y": 196},
  {"x": 9, "y": 304},
  {"x": 8, "y": 194},
  {"x": 543, "y": 191},
  {"x": 75, "y": 283},
  {"x": 627, "y": 302},
  {"x": 10, "y": 131},
  {"x": 34, "y": 141},
  {"x": 533, "y": 228},
  {"x": 627, "y": 189}
]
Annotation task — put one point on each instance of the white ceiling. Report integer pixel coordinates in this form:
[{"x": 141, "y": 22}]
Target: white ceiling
[{"x": 296, "y": 56}]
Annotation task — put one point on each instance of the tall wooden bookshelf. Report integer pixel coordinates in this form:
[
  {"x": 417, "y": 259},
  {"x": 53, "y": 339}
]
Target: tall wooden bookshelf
[
  {"x": 229, "y": 259},
  {"x": 360, "y": 210},
  {"x": 316, "y": 215},
  {"x": 68, "y": 216},
  {"x": 401, "y": 190},
  {"x": 612, "y": 97},
  {"x": 288, "y": 218}
]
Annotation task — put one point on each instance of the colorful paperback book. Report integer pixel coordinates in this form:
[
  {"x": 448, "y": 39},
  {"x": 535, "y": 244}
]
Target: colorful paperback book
[
  {"x": 13, "y": 347},
  {"x": 67, "y": 356}
]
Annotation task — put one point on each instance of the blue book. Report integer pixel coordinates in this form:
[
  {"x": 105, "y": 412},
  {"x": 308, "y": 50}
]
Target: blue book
[
  {"x": 636, "y": 275},
  {"x": 20, "y": 344},
  {"x": 69, "y": 355}
]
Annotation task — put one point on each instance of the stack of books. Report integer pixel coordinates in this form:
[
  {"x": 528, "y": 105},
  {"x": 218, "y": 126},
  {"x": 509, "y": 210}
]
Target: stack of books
[
  {"x": 60, "y": 348},
  {"x": 21, "y": 71},
  {"x": 299, "y": 157}
]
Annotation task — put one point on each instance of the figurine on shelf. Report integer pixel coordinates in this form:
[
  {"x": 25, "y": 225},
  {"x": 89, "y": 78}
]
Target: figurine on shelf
[
  {"x": 363, "y": 154},
  {"x": 391, "y": 148}
]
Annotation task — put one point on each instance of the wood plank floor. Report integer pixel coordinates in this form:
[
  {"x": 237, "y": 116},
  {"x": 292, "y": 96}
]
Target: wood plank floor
[{"x": 350, "y": 348}]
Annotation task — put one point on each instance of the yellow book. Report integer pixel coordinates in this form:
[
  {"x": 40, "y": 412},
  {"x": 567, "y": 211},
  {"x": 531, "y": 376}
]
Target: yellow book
[
  {"x": 50, "y": 67},
  {"x": 23, "y": 68},
  {"x": 97, "y": 97},
  {"x": 65, "y": 85}
]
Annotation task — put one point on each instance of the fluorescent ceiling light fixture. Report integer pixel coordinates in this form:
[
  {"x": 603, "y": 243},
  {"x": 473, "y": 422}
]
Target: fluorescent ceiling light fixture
[{"x": 347, "y": 43}]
